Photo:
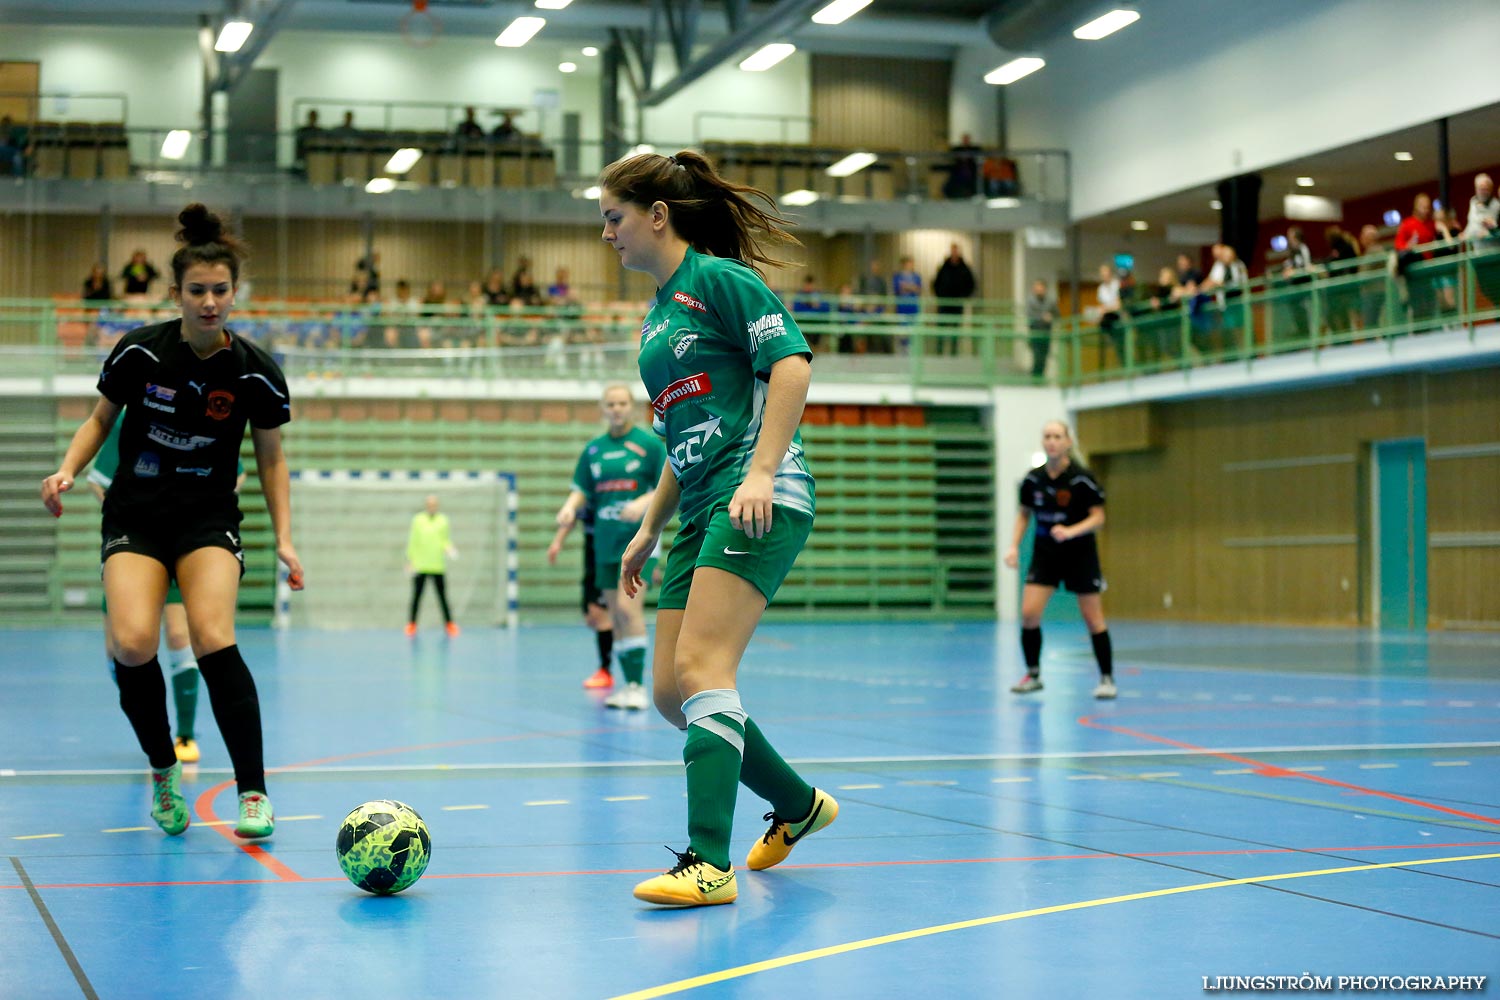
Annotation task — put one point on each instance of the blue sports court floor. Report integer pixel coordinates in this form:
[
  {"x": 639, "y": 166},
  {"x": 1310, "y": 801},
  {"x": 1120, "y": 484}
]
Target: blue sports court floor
[{"x": 1266, "y": 802}]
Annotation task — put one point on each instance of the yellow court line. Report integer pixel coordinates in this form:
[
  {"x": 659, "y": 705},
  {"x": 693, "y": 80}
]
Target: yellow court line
[
  {"x": 626, "y": 798},
  {"x": 293, "y": 819},
  {"x": 462, "y": 808},
  {"x": 741, "y": 971},
  {"x": 546, "y": 802},
  {"x": 37, "y": 836},
  {"x": 126, "y": 829}
]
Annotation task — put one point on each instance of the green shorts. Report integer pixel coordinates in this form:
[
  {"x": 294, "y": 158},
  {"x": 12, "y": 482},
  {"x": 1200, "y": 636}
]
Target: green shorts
[
  {"x": 607, "y": 574},
  {"x": 765, "y": 562},
  {"x": 174, "y": 596}
]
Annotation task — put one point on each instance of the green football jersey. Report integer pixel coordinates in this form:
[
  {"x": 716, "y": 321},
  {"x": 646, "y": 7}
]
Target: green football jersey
[
  {"x": 707, "y": 348},
  {"x": 611, "y": 472}
]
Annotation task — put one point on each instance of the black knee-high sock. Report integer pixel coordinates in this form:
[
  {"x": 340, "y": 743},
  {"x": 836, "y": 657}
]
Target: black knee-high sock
[
  {"x": 143, "y": 698},
  {"x": 1104, "y": 653},
  {"x": 231, "y": 691},
  {"x": 418, "y": 581},
  {"x": 1031, "y": 649},
  {"x": 606, "y": 641},
  {"x": 442, "y": 591}
]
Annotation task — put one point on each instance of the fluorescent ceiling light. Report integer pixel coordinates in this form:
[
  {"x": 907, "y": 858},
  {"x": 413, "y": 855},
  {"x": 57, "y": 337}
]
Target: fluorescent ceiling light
[
  {"x": 1304, "y": 182},
  {"x": 767, "y": 56},
  {"x": 1003, "y": 202},
  {"x": 851, "y": 164},
  {"x": 839, "y": 11},
  {"x": 644, "y": 147},
  {"x": 1404, "y": 156},
  {"x": 567, "y": 67},
  {"x": 591, "y": 50},
  {"x": 1139, "y": 225},
  {"x": 552, "y": 4},
  {"x": 1105, "y": 25},
  {"x": 801, "y": 196},
  {"x": 381, "y": 185},
  {"x": 1014, "y": 70},
  {"x": 403, "y": 160},
  {"x": 175, "y": 145},
  {"x": 232, "y": 36},
  {"x": 592, "y": 193},
  {"x": 1216, "y": 204},
  {"x": 519, "y": 32}
]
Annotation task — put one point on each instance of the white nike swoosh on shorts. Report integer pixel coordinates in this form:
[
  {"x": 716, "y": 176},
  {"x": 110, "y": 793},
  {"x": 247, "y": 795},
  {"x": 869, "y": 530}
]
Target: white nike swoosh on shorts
[{"x": 732, "y": 552}]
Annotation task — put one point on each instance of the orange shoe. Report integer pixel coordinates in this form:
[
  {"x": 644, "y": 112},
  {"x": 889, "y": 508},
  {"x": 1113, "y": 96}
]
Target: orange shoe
[
  {"x": 452, "y": 629},
  {"x": 411, "y": 629},
  {"x": 600, "y": 678}
]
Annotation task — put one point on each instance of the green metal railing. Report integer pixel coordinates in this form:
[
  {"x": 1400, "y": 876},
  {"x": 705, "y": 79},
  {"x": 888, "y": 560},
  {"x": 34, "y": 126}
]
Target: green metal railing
[{"x": 1371, "y": 299}]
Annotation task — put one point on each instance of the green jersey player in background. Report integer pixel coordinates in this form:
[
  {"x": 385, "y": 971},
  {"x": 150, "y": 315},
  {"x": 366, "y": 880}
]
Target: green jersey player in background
[
  {"x": 727, "y": 371},
  {"x": 615, "y": 477}
]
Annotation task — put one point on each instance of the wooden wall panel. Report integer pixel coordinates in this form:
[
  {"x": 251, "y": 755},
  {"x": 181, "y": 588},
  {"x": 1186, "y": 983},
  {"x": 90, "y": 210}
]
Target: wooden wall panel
[
  {"x": 1226, "y": 470},
  {"x": 880, "y": 103}
]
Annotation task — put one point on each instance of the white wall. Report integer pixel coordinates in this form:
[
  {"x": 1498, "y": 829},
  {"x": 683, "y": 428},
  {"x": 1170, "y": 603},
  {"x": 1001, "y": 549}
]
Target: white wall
[
  {"x": 784, "y": 89},
  {"x": 1018, "y": 414},
  {"x": 157, "y": 70},
  {"x": 1196, "y": 91}
]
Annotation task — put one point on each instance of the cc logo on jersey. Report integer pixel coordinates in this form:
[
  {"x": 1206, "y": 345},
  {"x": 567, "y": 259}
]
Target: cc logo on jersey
[{"x": 220, "y": 403}]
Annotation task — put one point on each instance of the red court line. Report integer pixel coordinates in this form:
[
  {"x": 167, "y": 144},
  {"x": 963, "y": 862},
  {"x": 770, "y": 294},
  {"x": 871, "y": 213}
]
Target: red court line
[
  {"x": 1272, "y": 771},
  {"x": 825, "y": 864},
  {"x": 204, "y": 807}
]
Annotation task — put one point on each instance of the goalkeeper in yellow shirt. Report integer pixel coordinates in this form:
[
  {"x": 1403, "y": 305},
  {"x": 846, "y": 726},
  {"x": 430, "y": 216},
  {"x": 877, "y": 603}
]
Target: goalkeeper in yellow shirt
[{"x": 428, "y": 548}]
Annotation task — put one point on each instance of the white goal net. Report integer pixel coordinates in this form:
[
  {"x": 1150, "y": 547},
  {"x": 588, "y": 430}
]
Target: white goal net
[{"x": 352, "y": 530}]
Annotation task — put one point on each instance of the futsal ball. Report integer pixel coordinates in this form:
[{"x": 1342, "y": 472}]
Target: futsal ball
[{"x": 383, "y": 846}]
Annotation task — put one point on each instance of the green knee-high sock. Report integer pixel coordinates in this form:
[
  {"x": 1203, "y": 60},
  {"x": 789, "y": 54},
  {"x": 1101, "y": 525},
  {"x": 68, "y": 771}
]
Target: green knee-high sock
[
  {"x": 631, "y": 652},
  {"x": 712, "y": 756},
  {"x": 184, "y": 688},
  {"x": 770, "y": 777}
]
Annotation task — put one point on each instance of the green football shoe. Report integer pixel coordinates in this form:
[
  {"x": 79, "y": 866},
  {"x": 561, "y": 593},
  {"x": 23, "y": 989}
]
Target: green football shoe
[
  {"x": 168, "y": 807},
  {"x": 256, "y": 817}
]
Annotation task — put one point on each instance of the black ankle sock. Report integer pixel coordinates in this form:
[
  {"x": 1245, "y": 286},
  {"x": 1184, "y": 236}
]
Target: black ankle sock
[
  {"x": 143, "y": 698},
  {"x": 1031, "y": 649},
  {"x": 606, "y": 641},
  {"x": 231, "y": 692},
  {"x": 1104, "y": 653}
]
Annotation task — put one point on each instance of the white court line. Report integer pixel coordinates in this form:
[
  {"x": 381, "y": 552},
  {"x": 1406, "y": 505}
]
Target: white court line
[
  {"x": 1450, "y": 763},
  {"x": 462, "y": 808},
  {"x": 1088, "y": 777},
  {"x": 1236, "y": 770},
  {"x": 1376, "y": 767},
  {"x": 626, "y": 798},
  {"x": 126, "y": 829},
  {"x": 546, "y": 802},
  {"x": 1160, "y": 774},
  {"x": 1006, "y": 781},
  {"x": 912, "y": 759},
  {"x": 860, "y": 788}
]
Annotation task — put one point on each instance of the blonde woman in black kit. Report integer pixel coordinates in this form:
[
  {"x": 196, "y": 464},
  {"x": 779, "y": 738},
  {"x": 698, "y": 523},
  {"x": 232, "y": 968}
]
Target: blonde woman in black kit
[
  {"x": 1068, "y": 505},
  {"x": 172, "y": 513}
]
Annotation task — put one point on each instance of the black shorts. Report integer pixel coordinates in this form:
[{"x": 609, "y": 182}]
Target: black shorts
[
  {"x": 174, "y": 537},
  {"x": 592, "y": 595},
  {"x": 1074, "y": 564}
]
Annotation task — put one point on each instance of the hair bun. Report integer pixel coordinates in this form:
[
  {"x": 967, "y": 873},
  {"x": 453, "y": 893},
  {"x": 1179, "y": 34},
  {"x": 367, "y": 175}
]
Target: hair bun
[{"x": 199, "y": 225}]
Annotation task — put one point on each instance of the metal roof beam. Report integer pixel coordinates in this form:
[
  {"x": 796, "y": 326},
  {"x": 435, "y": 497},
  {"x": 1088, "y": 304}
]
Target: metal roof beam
[{"x": 782, "y": 16}]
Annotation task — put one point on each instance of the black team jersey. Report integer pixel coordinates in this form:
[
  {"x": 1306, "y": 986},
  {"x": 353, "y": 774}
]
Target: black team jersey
[
  {"x": 185, "y": 417},
  {"x": 1064, "y": 500}
]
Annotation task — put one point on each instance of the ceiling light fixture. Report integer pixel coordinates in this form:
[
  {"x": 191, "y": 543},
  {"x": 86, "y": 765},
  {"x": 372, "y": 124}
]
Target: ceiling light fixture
[
  {"x": 232, "y": 36},
  {"x": 1304, "y": 182},
  {"x": 851, "y": 164},
  {"x": 767, "y": 56},
  {"x": 403, "y": 160},
  {"x": 381, "y": 185},
  {"x": 1216, "y": 204},
  {"x": 1014, "y": 70},
  {"x": 1139, "y": 225},
  {"x": 592, "y": 193},
  {"x": 591, "y": 50},
  {"x": 175, "y": 145},
  {"x": 1105, "y": 25},
  {"x": 567, "y": 67},
  {"x": 1404, "y": 156},
  {"x": 519, "y": 32},
  {"x": 552, "y": 4},
  {"x": 799, "y": 197},
  {"x": 839, "y": 11}
]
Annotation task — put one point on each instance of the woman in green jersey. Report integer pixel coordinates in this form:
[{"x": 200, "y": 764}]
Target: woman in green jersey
[
  {"x": 615, "y": 476},
  {"x": 727, "y": 371}
]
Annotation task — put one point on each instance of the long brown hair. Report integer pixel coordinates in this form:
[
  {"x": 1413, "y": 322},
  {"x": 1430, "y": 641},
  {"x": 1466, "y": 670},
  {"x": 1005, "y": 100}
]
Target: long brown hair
[
  {"x": 712, "y": 214},
  {"x": 206, "y": 239}
]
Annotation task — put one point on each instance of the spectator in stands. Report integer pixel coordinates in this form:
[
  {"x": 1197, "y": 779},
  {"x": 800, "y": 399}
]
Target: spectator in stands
[
  {"x": 1373, "y": 285},
  {"x": 1158, "y": 337},
  {"x": 346, "y": 131},
  {"x": 907, "y": 284},
  {"x": 1415, "y": 231},
  {"x": 954, "y": 283},
  {"x": 138, "y": 276},
  {"x": 1225, "y": 282},
  {"x": 1342, "y": 298},
  {"x": 1445, "y": 279},
  {"x": 809, "y": 304},
  {"x": 560, "y": 292},
  {"x": 523, "y": 285},
  {"x": 16, "y": 147},
  {"x": 963, "y": 175},
  {"x": 401, "y": 331},
  {"x": 469, "y": 128},
  {"x": 495, "y": 292},
  {"x": 307, "y": 135},
  {"x": 1296, "y": 269},
  {"x": 874, "y": 288},
  {"x": 1000, "y": 177},
  {"x": 435, "y": 307},
  {"x": 1108, "y": 296},
  {"x": 1041, "y": 313},
  {"x": 506, "y": 131},
  {"x": 1483, "y": 234},
  {"x": 96, "y": 287}
]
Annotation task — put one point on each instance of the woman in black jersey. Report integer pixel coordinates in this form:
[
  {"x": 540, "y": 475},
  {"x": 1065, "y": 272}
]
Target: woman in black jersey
[
  {"x": 1068, "y": 505},
  {"x": 172, "y": 513}
]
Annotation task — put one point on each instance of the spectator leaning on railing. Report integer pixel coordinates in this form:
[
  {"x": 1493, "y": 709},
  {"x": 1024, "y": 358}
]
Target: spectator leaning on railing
[
  {"x": 1415, "y": 230},
  {"x": 1483, "y": 234}
]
